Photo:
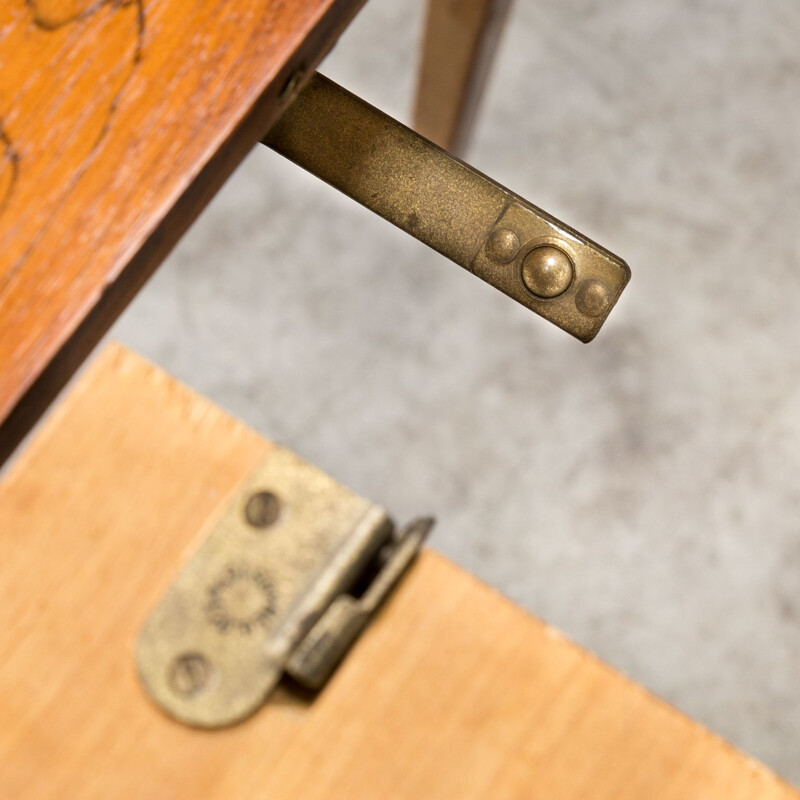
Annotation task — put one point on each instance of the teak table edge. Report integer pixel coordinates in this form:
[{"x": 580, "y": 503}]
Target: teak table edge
[{"x": 49, "y": 368}]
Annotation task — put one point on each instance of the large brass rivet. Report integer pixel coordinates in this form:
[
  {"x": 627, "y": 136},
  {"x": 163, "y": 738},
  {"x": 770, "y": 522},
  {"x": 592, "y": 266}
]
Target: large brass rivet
[
  {"x": 262, "y": 509},
  {"x": 592, "y": 298},
  {"x": 502, "y": 246},
  {"x": 547, "y": 271}
]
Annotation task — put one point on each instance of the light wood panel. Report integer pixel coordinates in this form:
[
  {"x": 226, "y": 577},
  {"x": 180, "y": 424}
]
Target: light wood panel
[
  {"x": 458, "y": 47},
  {"x": 453, "y": 692},
  {"x": 119, "y": 120}
]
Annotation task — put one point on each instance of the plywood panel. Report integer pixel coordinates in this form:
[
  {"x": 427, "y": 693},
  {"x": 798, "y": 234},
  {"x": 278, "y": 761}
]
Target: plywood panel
[{"x": 452, "y": 692}]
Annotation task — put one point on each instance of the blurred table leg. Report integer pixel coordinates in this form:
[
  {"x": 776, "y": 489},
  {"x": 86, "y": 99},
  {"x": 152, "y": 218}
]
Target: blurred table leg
[{"x": 460, "y": 40}]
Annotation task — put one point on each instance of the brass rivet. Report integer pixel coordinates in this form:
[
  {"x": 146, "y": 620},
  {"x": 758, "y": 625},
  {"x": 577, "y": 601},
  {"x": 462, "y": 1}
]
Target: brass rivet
[
  {"x": 502, "y": 245},
  {"x": 592, "y": 298},
  {"x": 262, "y": 509},
  {"x": 291, "y": 85},
  {"x": 547, "y": 271},
  {"x": 189, "y": 674}
]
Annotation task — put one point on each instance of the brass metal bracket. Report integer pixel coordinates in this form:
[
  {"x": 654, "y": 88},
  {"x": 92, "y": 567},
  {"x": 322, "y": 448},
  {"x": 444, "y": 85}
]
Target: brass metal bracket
[
  {"x": 283, "y": 583},
  {"x": 513, "y": 245}
]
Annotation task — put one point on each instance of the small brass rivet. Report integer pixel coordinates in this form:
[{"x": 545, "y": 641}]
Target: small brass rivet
[
  {"x": 592, "y": 298},
  {"x": 502, "y": 245},
  {"x": 291, "y": 85},
  {"x": 262, "y": 509},
  {"x": 189, "y": 674},
  {"x": 547, "y": 271}
]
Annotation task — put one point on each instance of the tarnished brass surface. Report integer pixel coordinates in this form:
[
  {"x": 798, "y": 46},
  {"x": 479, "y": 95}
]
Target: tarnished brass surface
[
  {"x": 316, "y": 656},
  {"x": 267, "y": 592},
  {"x": 448, "y": 205}
]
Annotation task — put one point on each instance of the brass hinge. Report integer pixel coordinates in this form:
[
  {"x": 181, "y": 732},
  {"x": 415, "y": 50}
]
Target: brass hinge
[
  {"x": 283, "y": 583},
  {"x": 487, "y": 229}
]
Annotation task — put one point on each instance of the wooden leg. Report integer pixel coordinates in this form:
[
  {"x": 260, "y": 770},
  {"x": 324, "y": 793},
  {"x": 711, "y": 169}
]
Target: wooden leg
[{"x": 460, "y": 40}]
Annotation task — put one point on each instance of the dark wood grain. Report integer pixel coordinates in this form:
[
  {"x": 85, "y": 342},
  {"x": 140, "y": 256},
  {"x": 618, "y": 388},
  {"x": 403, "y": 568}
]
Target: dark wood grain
[{"x": 119, "y": 120}]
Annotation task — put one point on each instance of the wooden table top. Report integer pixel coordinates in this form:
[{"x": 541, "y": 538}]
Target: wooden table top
[{"x": 119, "y": 120}]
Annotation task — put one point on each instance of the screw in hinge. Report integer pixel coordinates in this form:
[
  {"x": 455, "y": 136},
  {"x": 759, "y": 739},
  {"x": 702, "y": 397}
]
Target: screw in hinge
[
  {"x": 189, "y": 674},
  {"x": 262, "y": 509}
]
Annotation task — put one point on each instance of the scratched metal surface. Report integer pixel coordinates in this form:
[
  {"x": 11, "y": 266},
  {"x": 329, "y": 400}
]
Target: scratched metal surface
[{"x": 641, "y": 492}]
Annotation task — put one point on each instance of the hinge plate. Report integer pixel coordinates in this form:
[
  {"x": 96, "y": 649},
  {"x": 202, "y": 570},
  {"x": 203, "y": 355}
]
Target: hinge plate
[{"x": 266, "y": 592}]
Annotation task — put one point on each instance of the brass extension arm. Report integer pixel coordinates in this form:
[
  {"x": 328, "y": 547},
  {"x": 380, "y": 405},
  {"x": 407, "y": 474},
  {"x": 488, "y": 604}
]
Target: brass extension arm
[{"x": 518, "y": 248}]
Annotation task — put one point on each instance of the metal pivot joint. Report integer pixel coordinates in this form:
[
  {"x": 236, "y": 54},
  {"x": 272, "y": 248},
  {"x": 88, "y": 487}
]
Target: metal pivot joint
[
  {"x": 284, "y": 583},
  {"x": 513, "y": 245}
]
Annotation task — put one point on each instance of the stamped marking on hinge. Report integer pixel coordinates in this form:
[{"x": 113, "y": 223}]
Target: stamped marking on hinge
[{"x": 284, "y": 583}]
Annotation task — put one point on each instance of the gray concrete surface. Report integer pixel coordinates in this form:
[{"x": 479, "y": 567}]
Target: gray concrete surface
[{"x": 641, "y": 492}]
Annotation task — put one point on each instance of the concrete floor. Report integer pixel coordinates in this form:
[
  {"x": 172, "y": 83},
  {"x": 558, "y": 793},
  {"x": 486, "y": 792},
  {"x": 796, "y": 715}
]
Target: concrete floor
[{"x": 641, "y": 492}]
